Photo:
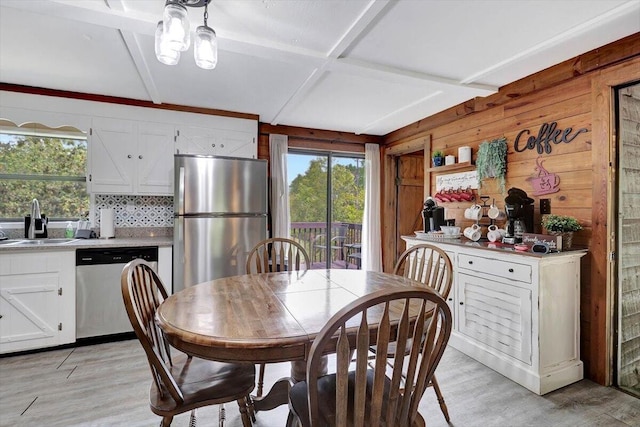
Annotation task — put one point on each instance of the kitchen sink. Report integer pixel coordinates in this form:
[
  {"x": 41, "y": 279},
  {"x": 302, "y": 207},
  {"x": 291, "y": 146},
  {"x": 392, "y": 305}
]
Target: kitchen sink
[{"x": 21, "y": 242}]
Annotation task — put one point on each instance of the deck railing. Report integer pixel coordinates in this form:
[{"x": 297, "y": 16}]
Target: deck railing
[{"x": 313, "y": 234}]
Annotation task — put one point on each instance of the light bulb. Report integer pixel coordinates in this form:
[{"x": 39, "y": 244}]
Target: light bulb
[
  {"x": 164, "y": 53},
  {"x": 206, "y": 48},
  {"x": 176, "y": 26}
]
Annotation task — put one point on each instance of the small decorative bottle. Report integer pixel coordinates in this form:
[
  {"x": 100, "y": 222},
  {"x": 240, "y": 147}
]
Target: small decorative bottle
[{"x": 68, "y": 232}]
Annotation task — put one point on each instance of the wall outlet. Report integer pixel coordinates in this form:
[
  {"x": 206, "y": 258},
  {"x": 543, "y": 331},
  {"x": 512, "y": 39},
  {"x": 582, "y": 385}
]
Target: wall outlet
[{"x": 545, "y": 206}]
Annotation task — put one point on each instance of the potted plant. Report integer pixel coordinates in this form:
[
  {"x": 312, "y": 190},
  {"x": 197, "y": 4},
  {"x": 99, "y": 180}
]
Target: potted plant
[
  {"x": 562, "y": 225},
  {"x": 438, "y": 158},
  {"x": 491, "y": 161}
]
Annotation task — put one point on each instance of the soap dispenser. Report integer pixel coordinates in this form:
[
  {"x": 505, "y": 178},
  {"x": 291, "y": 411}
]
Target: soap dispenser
[{"x": 68, "y": 232}]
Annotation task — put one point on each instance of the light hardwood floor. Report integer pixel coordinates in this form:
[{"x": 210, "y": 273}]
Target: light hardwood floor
[{"x": 107, "y": 385}]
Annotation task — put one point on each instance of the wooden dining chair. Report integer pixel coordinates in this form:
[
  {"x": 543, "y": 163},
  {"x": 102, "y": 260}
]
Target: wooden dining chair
[
  {"x": 430, "y": 265},
  {"x": 275, "y": 254},
  {"x": 357, "y": 394},
  {"x": 181, "y": 383}
]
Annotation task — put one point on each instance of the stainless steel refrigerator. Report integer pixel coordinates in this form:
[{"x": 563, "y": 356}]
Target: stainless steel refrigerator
[{"x": 220, "y": 214}]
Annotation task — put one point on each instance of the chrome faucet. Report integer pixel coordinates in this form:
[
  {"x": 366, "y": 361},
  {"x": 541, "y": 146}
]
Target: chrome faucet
[{"x": 35, "y": 216}]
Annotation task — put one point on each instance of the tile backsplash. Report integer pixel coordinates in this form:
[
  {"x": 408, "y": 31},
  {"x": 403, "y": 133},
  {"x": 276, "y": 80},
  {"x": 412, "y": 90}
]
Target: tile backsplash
[{"x": 136, "y": 211}]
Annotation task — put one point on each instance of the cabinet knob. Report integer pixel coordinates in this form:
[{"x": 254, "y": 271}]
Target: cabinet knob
[
  {"x": 140, "y": 156},
  {"x": 461, "y": 303},
  {"x": 470, "y": 262},
  {"x": 511, "y": 270},
  {"x": 449, "y": 299},
  {"x": 128, "y": 156},
  {"x": 221, "y": 145},
  {"x": 213, "y": 145}
]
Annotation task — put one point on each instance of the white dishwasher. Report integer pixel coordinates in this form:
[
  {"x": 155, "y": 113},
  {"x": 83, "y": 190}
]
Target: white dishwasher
[{"x": 99, "y": 307}]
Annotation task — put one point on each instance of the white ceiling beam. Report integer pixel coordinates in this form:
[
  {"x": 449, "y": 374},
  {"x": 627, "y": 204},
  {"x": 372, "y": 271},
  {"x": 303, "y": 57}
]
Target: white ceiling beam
[
  {"x": 374, "y": 10},
  {"x": 628, "y": 9},
  {"x": 95, "y": 13},
  {"x": 391, "y": 74},
  {"x": 381, "y": 119},
  {"x": 138, "y": 58}
]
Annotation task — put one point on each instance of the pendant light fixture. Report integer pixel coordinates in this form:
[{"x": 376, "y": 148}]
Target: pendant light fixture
[{"x": 173, "y": 35}]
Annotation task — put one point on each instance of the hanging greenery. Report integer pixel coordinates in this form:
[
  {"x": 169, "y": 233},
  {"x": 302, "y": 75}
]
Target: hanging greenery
[{"x": 491, "y": 161}]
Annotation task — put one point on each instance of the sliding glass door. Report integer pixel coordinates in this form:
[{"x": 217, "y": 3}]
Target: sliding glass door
[{"x": 326, "y": 199}]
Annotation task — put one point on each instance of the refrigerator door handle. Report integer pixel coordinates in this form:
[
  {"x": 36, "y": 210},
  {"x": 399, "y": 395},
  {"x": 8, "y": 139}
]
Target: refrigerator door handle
[{"x": 181, "y": 192}]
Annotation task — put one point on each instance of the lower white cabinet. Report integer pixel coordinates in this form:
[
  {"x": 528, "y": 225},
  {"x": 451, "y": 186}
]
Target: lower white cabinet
[
  {"x": 517, "y": 313},
  {"x": 37, "y": 299}
]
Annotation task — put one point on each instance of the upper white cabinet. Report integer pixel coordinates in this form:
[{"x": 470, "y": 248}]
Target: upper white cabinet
[
  {"x": 130, "y": 157},
  {"x": 216, "y": 142}
]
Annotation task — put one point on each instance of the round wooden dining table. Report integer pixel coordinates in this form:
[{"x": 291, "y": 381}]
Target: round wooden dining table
[{"x": 264, "y": 318}]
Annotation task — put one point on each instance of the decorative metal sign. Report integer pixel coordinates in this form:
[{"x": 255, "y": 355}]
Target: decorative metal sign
[
  {"x": 454, "y": 181},
  {"x": 545, "y": 182},
  {"x": 547, "y": 134}
]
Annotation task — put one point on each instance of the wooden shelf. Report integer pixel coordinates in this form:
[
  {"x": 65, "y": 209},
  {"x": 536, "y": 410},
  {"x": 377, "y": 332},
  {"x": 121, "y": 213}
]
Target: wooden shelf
[{"x": 454, "y": 167}]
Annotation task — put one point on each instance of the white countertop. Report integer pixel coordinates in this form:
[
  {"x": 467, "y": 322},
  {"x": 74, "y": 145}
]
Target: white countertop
[{"x": 91, "y": 243}]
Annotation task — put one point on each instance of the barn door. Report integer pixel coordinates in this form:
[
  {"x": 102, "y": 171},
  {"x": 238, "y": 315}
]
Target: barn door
[
  {"x": 409, "y": 195},
  {"x": 628, "y": 243}
]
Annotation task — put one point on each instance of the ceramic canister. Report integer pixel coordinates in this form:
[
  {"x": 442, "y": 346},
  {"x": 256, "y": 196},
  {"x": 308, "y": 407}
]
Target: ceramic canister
[{"x": 464, "y": 154}]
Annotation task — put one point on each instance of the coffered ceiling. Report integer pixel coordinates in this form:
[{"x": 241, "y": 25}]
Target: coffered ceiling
[{"x": 363, "y": 66}]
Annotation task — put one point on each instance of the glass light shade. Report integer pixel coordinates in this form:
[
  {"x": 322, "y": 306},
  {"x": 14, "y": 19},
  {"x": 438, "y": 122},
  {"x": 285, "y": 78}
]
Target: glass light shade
[
  {"x": 164, "y": 53},
  {"x": 176, "y": 26},
  {"x": 206, "y": 48}
]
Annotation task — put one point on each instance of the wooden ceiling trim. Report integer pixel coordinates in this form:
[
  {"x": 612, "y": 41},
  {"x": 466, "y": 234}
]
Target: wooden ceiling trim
[
  {"x": 319, "y": 134},
  {"x": 123, "y": 101},
  {"x": 308, "y": 144}
]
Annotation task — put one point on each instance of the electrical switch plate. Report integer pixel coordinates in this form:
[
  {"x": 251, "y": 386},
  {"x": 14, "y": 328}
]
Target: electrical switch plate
[{"x": 545, "y": 206}]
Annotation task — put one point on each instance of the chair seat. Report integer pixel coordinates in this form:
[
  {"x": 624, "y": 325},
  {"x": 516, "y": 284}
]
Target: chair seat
[
  {"x": 203, "y": 382},
  {"x": 326, "y": 397}
]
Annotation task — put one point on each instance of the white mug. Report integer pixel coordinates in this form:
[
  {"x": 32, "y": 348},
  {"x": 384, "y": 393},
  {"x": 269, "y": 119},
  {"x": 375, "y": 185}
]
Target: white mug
[
  {"x": 494, "y": 234},
  {"x": 473, "y": 232},
  {"x": 474, "y": 213},
  {"x": 495, "y": 213}
]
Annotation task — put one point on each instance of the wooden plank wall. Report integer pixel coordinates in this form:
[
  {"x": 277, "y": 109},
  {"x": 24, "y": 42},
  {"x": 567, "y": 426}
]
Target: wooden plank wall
[
  {"x": 576, "y": 93},
  {"x": 568, "y": 106}
]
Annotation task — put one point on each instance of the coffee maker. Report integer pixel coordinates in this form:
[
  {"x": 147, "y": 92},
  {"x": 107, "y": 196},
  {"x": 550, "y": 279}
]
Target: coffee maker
[
  {"x": 432, "y": 215},
  {"x": 519, "y": 209}
]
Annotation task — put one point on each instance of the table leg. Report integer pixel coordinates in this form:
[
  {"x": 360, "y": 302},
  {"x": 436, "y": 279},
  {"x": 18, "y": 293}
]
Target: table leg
[{"x": 279, "y": 393}]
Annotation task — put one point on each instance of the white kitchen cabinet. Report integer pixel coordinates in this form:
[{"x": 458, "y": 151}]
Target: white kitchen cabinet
[
  {"x": 130, "y": 157},
  {"x": 517, "y": 313},
  {"x": 216, "y": 142},
  {"x": 37, "y": 299}
]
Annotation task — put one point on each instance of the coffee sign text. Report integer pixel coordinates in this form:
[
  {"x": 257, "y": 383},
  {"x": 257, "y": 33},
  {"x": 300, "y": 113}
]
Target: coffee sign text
[{"x": 547, "y": 134}]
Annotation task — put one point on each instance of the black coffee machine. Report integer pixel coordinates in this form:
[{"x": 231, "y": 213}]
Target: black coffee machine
[
  {"x": 432, "y": 215},
  {"x": 519, "y": 209}
]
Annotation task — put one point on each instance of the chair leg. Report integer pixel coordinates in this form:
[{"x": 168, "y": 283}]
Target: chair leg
[
  {"x": 260, "y": 380},
  {"x": 443, "y": 406},
  {"x": 192, "y": 419},
  {"x": 166, "y": 421},
  {"x": 244, "y": 414},
  {"x": 221, "y": 415},
  {"x": 251, "y": 408}
]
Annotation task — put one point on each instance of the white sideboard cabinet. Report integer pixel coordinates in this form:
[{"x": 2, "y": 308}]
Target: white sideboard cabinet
[
  {"x": 37, "y": 299},
  {"x": 130, "y": 157},
  {"x": 517, "y": 313}
]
